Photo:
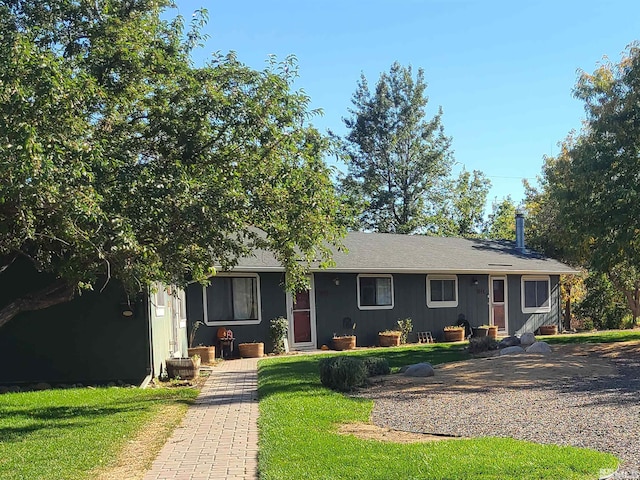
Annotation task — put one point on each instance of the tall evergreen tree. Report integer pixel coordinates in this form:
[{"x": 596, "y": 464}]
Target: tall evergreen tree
[{"x": 397, "y": 157}]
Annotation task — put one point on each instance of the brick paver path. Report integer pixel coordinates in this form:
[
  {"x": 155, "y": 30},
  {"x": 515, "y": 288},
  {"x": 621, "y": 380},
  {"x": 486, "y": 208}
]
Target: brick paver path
[{"x": 218, "y": 438}]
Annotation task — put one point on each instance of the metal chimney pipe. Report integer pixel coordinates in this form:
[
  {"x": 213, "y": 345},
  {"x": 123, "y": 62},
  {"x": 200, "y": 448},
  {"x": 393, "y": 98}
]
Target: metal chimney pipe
[{"x": 520, "y": 232}]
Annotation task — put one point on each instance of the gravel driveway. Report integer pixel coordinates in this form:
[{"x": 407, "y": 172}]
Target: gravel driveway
[{"x": 581, "y": 395}]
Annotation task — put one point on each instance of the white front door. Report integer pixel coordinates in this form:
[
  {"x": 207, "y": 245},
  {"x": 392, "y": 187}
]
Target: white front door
[
  {"x": 498, "y": 303},
  {"x": 301, "y": 310}
]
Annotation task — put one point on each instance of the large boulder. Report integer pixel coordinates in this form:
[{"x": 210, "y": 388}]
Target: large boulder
[
  {"x": 511, "y": 341},
  {"x": 539, "y": 347},
  {"x": 512, "y": 350},
  {"x": 527, "y": 339},
  {"x": 420, "y": 370}
]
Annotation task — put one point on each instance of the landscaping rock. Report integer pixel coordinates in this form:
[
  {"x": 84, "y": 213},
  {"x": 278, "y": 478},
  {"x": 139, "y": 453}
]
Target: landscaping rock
[
  {"x": 539, "y": 347},
  {"x": 41, "y": 386},
  {"x": 527, "y": 339},
  {"x": 511, "y": 341},
  {"x": 14, "y": 389},
  {"x": 511, "y": 350},
  {"x": 3, "y": 389},
  {"x": 420, "y": 370}
]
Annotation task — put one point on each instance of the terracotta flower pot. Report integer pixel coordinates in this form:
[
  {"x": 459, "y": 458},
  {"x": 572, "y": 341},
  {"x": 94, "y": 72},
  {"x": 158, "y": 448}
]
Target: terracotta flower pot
[
  {"x": 549, "y": 330},
  {"x": 493, "y": 331},
  {"x": 251, "y": 350},
  {"x": 389, "y": 339},
  {"x": 454, "y": 335},
  {"x": 344, "y": 343},
  {"x": 207, "y": 354},
  {"x": 480, "y": 331}
]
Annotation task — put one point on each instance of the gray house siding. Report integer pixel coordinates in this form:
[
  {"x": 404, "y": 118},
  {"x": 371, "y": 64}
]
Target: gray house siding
[
  {"x": 337, "y": 308},
  {"x": 520, "y": 322},
  {"x": 272, "y": 305},
  {"x": 335, "y": 303}
]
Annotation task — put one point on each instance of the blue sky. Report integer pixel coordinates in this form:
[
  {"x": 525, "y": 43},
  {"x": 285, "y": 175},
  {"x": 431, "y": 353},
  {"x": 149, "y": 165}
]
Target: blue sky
[{"x": 503, "y": 72}]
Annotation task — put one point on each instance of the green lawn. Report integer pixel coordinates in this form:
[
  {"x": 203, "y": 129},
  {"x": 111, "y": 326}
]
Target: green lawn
[
  {"x": 605, "y": 336},
  {"x": 65, "y": 434},
  {"x": 299, "y": 417}
]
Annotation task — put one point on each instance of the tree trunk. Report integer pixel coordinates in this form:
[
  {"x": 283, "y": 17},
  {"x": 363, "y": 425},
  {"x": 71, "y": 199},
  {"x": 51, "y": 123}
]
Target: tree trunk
[
  {"x": 567, "y": 313},
  {"x": 58, "y": 292}
]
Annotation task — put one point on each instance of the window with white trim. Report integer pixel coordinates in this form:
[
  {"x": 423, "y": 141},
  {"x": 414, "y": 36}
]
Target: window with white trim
[
  {"x": 232, "y": 299},
  {"x": 375, "y": 292},
  {"x": 160, "y": 299},
  {"x": 536, "y": 294},
  {"x": 181, "y": 305},
  {"x": 442, "y": 291}
]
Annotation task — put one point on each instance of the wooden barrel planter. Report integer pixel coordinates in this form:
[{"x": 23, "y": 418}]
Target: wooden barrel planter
[
  {"x": 388, "y": 339},
  {"x": 251, "y": 350},
  {"x": 549, "y": 330},
  {"x": 493, "y": 331},
  {"x": 207, "y": 354},
  {"x": 480, "y": 331},
  {"x": 344, "y": 343},
  {"x": 454, "y": 334},
  {"x": 183, "y": 368}
]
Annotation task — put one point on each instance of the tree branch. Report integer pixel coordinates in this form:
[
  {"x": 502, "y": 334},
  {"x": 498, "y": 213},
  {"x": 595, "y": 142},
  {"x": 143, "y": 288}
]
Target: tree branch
[{"x": 58, "y": 292}]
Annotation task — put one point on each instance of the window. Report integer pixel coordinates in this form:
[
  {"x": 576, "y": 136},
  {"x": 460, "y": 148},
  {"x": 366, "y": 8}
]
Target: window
[
  {"x": 536, "y": 295},
  {"x": 442, "y": 291},
  {"x": 160, "y": 300},
  {"x": 181, "y": 305},
  {"x": 232, "y": 299},
  {"x": 375, "y": 292}
]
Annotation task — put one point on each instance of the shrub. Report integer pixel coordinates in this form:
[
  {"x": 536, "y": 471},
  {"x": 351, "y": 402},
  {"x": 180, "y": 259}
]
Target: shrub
[
  {"x": 278, "y": 330},
  {"x": 604, "y": 306},
  {"x": 405, "y": 326},
  {"x": 482, "y": 344},
  {"x": 342, "y": 373},
  {"x": 377, "y": 366}
]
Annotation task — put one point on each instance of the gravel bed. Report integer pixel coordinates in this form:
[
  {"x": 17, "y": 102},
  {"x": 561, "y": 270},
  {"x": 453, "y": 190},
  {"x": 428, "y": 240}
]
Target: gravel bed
[{"x": 601, "y": 414}]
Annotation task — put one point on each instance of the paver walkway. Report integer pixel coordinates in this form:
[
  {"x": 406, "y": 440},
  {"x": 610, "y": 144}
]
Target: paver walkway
[{"x": 218, "y": 438}]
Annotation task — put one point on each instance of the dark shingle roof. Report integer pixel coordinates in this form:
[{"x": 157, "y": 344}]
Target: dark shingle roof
[{"x": 389, "y": 253}]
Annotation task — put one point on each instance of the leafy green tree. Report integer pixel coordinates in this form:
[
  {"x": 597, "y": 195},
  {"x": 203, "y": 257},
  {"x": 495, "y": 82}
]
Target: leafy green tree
[
  {"x": 603, "y": 306},
  {"x": 501, "y": 222},
  {"x": 593, "y": 184},
  {"x": 120, "y": 159},
  {"x": 397, "y": 158},
  {"x": 461, "y": 212}
]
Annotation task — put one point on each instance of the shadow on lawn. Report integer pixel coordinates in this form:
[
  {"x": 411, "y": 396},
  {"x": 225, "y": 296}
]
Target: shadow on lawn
[
  {"x": 65, "y": 417},
  {"x": 53, "y": 418}
]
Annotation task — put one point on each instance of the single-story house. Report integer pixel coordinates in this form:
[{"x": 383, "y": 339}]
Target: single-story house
[
  {"x": 381, "y": 279},
  {"x": 100, "y": 336}
]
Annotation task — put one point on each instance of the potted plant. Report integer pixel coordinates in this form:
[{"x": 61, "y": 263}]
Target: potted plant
[
  {"x": 183, "y": 368},
  {"x": 481, "y": 331},
  {"x": 405, "y": 327},
  {"x": 493, "y": 331},
  {"x": 548, "y": 330},
  {"x": 344, "y": 342},
  {"x": 389, "y": 338},
  {"x": 279, "y": 329},
  {"x": 251, "y": 350},
  {"x": 207, "y": 354},
  {"x": 453, "y": 333}
]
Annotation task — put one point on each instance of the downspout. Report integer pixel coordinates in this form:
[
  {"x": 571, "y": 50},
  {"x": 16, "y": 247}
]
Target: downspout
[{"x": 150, "y": 367}]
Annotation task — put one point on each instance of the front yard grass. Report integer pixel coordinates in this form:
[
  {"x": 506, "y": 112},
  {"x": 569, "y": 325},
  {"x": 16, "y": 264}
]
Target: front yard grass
[
  {"x": 299, "y": 440},
  {"x": 76, "y": 433}
]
